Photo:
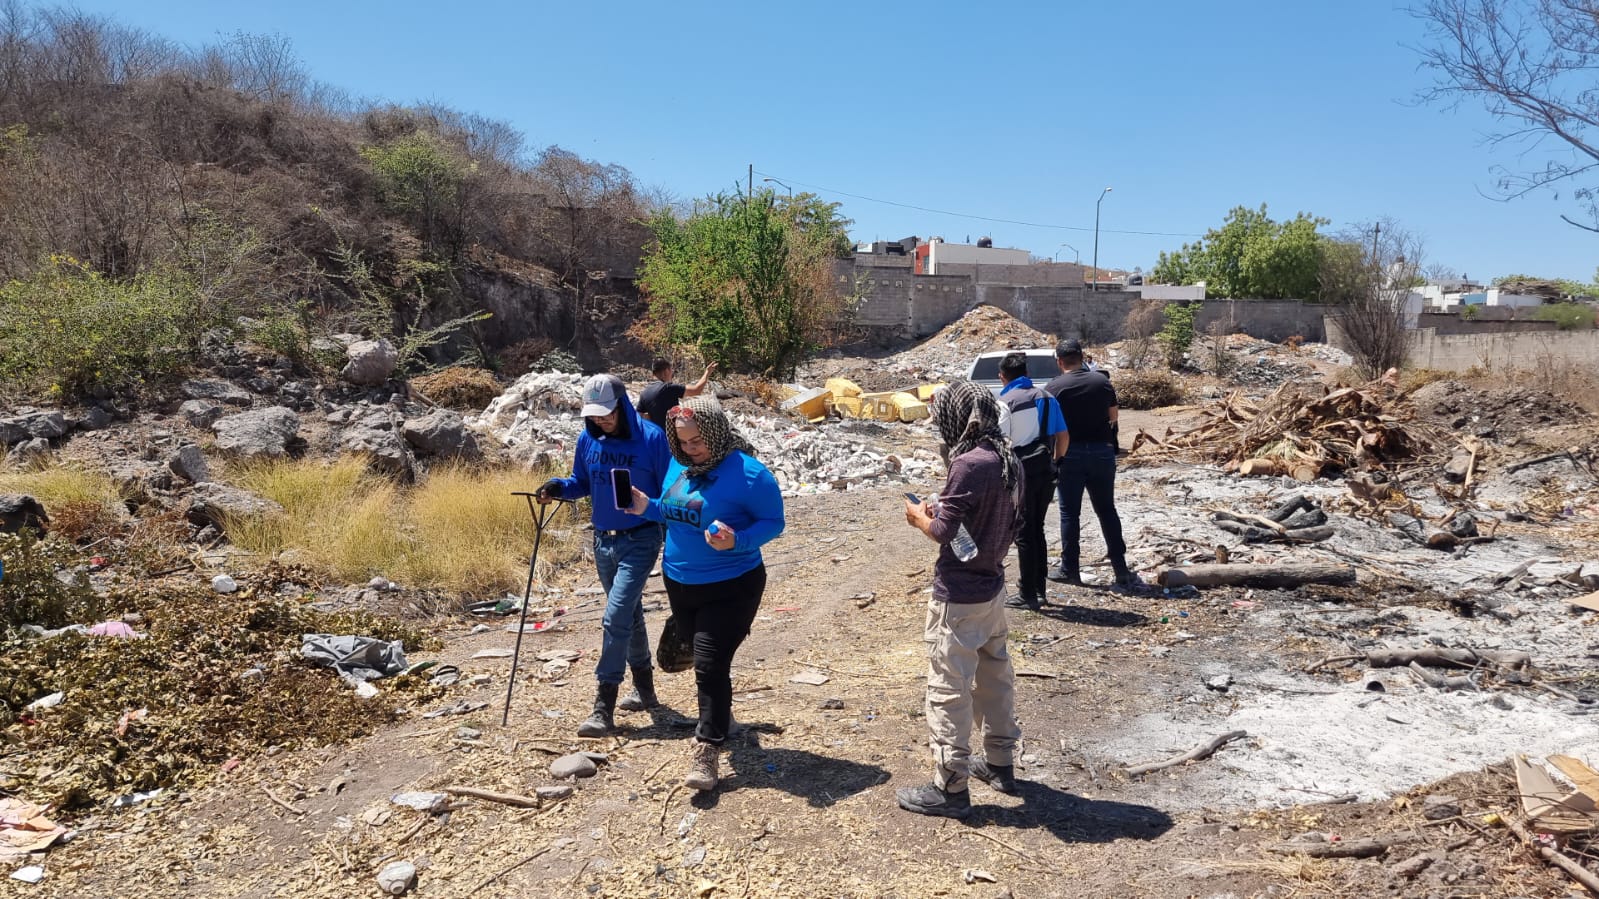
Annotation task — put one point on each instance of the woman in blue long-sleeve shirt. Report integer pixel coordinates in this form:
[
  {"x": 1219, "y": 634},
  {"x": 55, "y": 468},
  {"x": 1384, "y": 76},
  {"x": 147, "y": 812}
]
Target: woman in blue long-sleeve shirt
[{"x": 720, "y": 505}]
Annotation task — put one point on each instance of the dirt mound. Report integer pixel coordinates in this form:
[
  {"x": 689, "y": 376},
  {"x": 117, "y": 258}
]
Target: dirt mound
[
  {"x": 1492, "y": 411},
  {"x": 988, "y": 328}
]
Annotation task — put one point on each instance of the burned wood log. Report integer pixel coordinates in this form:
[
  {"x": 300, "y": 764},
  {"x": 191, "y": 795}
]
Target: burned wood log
[
  {"x": 1288, "y": 507},
  {"x": 1266, "y": 576},
  {"x": 1438, "y": 681},
  {"x": 1366, "y": 847},
  {"x": 1442, "y": 657},
  {"x": 1203, "y": 751}
]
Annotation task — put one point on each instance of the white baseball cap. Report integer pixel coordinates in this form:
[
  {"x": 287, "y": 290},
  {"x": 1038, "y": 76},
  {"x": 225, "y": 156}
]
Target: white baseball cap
[{"x": 600, "y": 395}]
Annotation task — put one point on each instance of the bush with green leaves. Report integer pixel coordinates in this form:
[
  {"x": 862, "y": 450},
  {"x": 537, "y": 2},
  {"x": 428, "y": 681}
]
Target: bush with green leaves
[
  {"x": 69, "y": 331},
  {"x": 1178, "y": 334},
  {"x": 1566, "y": 316},
  {"x": 746, "y": 281}
]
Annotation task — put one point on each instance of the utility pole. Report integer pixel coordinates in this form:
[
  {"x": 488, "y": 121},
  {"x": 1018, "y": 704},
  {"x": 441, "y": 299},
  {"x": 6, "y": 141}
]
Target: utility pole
[
  {"x": 1096, "y": 235},
  {"x": 751, "y": 194}
]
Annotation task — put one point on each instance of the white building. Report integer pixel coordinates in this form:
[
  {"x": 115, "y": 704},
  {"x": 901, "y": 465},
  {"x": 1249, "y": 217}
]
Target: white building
[{"x": 936, "y": 252}]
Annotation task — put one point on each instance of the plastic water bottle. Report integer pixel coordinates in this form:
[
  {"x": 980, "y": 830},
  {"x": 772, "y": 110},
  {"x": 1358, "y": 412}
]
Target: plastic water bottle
[
  {"x": 716, "y": 528},
  {"x": 964, "y": 547}
]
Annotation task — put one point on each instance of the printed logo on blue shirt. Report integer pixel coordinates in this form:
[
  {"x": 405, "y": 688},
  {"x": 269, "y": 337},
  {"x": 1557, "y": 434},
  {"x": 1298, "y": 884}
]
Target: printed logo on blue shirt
[{"x": 682, "y": 504}]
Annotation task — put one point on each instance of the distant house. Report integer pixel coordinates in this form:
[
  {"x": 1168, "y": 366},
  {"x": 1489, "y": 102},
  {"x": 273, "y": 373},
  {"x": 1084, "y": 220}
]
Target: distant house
[{"x": 937, "y": 252}]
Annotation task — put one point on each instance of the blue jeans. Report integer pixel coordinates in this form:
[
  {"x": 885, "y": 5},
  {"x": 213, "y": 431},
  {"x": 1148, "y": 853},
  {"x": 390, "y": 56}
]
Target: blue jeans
[
  {"x": 1090, "y": 468},
  {"x": 624, "y": 562}
]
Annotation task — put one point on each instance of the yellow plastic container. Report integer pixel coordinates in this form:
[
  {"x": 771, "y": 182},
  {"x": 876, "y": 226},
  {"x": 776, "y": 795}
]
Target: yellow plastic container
[
  {"x": 843, "y": 387},
  {"x": 908, "y": 407}
]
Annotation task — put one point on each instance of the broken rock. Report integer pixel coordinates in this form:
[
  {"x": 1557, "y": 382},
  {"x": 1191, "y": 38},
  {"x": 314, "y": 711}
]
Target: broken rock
[
  {"x": 575, "y": 765},
  {"x": 189, "y": 464},
  {"x": 370, "y": 362},
  {"x": 260, "y": 433},
  {"x": 396, "y": 878},
  {"x": 18, "y": 511}
]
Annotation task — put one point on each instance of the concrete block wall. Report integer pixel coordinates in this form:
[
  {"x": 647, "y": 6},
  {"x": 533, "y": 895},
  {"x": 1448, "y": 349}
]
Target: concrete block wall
[
  {"x": 902, "y": 305},
  {"x": 1503, "y": 350}
]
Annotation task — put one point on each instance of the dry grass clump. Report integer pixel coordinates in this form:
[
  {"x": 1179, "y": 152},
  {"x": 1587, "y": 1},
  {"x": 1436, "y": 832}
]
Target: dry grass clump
[
  {"x": 82, "y": 504},
  {"x": 1416, "y": 378},
  {"x": 459, "y": 530},
  {"x": 1148, "y": 389},
  {"x": 459, "y": 387}
]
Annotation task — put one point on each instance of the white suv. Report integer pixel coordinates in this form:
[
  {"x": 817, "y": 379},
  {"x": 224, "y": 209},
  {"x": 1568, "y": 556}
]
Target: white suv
[{"x": 1041, "y": 367}]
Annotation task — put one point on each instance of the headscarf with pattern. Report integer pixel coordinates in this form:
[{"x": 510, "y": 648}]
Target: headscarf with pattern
[
  {"x": 967, "y": 413},
  {"x": 715, "y": 428}
]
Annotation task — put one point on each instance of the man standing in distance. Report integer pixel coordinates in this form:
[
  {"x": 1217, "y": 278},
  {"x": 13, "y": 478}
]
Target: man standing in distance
[
  {"x": 625, "y": 545},
  {"x": 659, "y": 398},
  {"x": 1037, "y": 432},
  {"x": 1088, "y": 403}
]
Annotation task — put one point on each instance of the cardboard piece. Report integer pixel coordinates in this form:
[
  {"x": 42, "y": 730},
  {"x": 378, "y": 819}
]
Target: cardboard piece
[
  {"x": 1547, "y": 806},
  {"x": 1589, "y": 602}
]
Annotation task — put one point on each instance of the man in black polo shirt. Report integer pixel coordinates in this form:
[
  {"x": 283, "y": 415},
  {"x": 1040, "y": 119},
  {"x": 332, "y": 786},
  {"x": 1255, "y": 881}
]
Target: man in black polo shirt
[
  {"x": 1088, "y": 403},
  {"x": 659, "y": 398}
]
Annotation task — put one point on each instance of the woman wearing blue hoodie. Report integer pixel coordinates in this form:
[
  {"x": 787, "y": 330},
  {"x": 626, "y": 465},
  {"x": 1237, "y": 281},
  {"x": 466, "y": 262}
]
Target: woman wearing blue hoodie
[
  {"x": 625, "y": 545},
  {"x": 720, "y": 506}
]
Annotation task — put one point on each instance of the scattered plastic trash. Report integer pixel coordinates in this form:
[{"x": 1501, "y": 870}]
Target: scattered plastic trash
[
  {"x": 29, "y": 874},
  {"x": 115, "y": 628},
  {"x": 224, "y": 584},
  {"x": 354, "y": 658},
  {"x": 45, "y": 702},
  {"x": 136, "y": 798},
  {"x": 365, "y": 690},
  {"x": 129, "y": 717}
]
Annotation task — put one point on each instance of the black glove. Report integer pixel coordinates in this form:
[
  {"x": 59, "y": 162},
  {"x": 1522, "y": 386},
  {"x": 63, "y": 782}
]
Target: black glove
[
  {"x": 1116, "y": 436},
  {"x": 550, "y": 489}
]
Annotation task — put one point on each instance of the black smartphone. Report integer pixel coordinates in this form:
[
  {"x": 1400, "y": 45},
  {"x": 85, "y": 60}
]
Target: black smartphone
[
  {"x": 622, "y": 484},
  {"x": 915, "y": 500}
]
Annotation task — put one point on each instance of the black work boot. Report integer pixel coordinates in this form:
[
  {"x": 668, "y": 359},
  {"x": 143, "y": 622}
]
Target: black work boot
[
  {"x": 1000, "y": 777},
  {"x": 928, "y": 799},
  {"x": 642, "y": 696},
  {"x": 1063, "y": 575},
  {"x": 1124, "y": 576},
  {"x": 602, "y": 721}
]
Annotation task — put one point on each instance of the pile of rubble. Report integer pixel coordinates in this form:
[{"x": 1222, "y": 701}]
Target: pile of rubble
[
  {"x": 1495, "y": 412},
  {"x": 538, "y": 420},
  {"x": 811, "y": 460},
  {"x": 945, "y": 355},
  {"x": 1303, "y": 431}
]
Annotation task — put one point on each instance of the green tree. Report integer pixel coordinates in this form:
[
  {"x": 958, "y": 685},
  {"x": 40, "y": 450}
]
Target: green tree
[
  {"x": 820, "y": 221},
  {"x": 744, "y": 281},
  {"x": 1250, "y": 256},
  {"x": 428, "y": 181}
]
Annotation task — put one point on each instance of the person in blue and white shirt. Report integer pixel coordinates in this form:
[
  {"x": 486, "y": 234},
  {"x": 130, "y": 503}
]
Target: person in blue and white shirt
[{"x": 1037, "y": 431}]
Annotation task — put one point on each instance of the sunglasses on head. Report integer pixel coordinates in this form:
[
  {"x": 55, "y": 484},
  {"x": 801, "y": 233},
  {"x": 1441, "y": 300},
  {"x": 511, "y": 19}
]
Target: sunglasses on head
[{"x": 682, "y": 413}]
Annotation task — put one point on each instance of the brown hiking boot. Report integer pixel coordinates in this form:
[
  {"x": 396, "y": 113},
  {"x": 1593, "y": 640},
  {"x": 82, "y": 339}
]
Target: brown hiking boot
[{"x": 702, "y": 775}]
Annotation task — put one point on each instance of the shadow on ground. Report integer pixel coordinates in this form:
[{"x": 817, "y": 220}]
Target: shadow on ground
[
  {"x": 1093, "y": 617},
  {"x": 1073, "y": 819},
  {"x": 821, "y": 781}
]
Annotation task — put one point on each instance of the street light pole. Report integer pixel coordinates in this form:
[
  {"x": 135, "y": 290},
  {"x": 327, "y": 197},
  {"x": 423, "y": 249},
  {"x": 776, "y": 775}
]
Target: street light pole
[
  {"x": 1096, "y": 235},
  {"x": 775, "y": 181},
  {"x": 1077, "y": 255}
]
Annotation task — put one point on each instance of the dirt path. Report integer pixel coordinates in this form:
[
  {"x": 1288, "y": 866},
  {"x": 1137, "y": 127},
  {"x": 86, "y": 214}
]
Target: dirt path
[{"x": 807, "y": 808}]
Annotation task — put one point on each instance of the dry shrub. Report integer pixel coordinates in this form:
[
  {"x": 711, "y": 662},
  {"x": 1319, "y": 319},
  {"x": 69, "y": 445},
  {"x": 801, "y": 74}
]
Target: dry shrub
[
  {"x": 459, "y": 387},
  {"x": 1140, "y": 349},
  {"x": 1417, "y": 378},
  {"x": 519, "y": 358},
  {"x": 1294, "y": 341},
  {"x": 459, "y": 530},
  {"x": 1148, "y": 389},
  {"x": 1567, "y": 379}
]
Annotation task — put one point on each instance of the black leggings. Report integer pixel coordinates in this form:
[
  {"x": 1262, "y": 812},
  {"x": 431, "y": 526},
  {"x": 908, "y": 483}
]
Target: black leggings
[{"x": 719, "y": 614}]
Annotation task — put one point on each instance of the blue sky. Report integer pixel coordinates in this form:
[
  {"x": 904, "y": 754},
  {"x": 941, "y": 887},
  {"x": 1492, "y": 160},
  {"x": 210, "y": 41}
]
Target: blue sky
[{"x": 1021, "y": 111}]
